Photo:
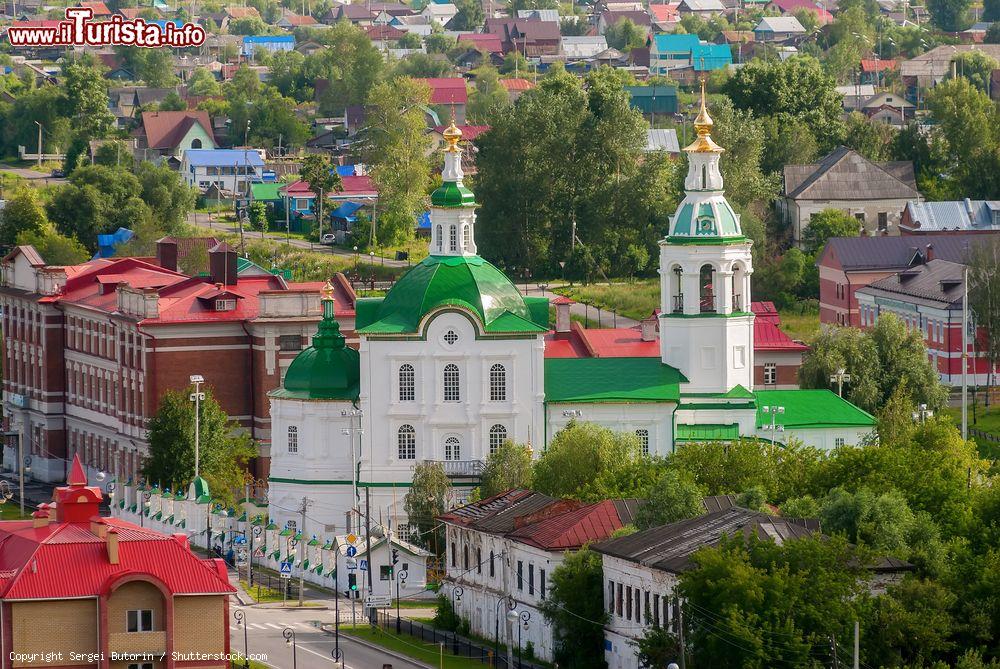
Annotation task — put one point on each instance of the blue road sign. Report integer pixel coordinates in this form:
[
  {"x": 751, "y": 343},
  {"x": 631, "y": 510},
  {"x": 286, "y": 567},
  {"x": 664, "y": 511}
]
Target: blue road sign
[
  {"x": 351, "y": 551},
  {"x": 363, "y": 565},
  {"x": 286, "y": 568}
]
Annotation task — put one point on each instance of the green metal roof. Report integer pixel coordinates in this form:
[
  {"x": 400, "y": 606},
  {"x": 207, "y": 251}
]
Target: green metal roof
[
  {"x": 266, "y": 192},
  {"x": 611, "y": 380},
  {"x": 451, "y": 194},
  {"x": 466, "y": 282},
  {"x": 710, "y": 219},
  {"x": 811, "y": 409},
  {"x": 736, "y": 392},
  {"x": 328, "y": 369},
  {"x": 707, "y": 432}
]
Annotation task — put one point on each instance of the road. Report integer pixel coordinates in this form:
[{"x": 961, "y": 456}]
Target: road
[
  {"x": 32, "y": 175},
  {"x": 265, "y": 627}
]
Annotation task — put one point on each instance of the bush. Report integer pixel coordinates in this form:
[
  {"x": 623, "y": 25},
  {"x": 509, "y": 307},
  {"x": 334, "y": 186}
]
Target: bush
[{"x": 446, "y": 618}]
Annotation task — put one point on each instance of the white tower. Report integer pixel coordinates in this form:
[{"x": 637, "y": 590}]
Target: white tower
[
  {"x": 453, "y": 206},
  {"x": 706, "y": 326}
]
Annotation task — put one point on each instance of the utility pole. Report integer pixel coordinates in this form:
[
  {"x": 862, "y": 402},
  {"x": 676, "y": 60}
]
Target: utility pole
[
  {"x": 680, "y": 633},
  {"x": 306, "y": 503},
  {"x": 197, "y": 396},
  {"x": 368, "y": 549},
  {"x": 39, "y": 144},
  {"x": 857, "y": 645},
  {"x": 965, "y": 352}
]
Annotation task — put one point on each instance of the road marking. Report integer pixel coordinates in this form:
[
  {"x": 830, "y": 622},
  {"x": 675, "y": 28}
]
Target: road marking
[
  {"x": 274, "y": 627},
  {"x": 326, "y": 657}
]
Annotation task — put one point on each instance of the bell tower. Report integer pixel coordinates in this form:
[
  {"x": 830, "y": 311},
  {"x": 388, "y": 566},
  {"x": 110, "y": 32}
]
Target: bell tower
[
  {"x": 706, "y": 326},
  {"x": 453, "y": 206}
]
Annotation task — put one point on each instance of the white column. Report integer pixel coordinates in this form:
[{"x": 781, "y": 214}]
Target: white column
[{"x": 723, "y": 287}]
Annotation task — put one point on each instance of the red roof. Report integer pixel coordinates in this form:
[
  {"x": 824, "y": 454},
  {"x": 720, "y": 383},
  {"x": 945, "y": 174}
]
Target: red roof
[
  {"x": 572, "y": 529},
  {"x": 517, "y": 84},
  {"x": 665, "y": 13},
  {"x": 789, "y": 7},
  {"x": 166, "y": 129},
  {"x": 100, "y": 9},
  {"x": 447, "y": 91},
  {"x": 487, "y": 42},
  {"x": 580, "y": 342},
  {"x": 300, "y": 20},
  {"x": 767, "y": 335},
  {"x": 876, "y": 65},
  {"x": 355, "y": 186},
  {"x": 384, "y": 33},
  {"x": 469, "y": 132},
  {"x": 242, "y": 12}
]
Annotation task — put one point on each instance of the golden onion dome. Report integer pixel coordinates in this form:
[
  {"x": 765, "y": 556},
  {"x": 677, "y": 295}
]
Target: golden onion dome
[{"x": 453, "y": 136}]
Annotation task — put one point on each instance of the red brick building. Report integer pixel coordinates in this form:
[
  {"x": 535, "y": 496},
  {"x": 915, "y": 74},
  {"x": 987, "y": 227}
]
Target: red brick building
[
  {"x": 85, "y": 591},
  {"x": 89, "y": 349},
  {"x": 776, "y": 356}
]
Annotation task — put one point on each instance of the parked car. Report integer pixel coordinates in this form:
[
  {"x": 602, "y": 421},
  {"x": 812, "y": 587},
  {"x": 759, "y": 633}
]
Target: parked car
[
  {"x": 329, "y": 239},
  {"x": 57, "y": 173}
]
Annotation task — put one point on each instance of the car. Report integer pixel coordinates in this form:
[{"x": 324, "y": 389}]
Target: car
[
  {"x": 57, "y": 174},
  {"x": 328, "y": 238}
]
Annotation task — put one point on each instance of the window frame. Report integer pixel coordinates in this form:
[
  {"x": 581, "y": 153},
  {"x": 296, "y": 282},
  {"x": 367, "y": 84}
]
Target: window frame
[
  {"x": 292, "y": 443},
  {"x": 498, "y": 382},
  {"x": 497, "y": 437},
  {"x": 140, "y": 620},
  {"x": 406, "y": 378},
  {"x": 451, "y": 384},
  {"x": 770, "y": 370},
  {"x": 409, "y": 433}
]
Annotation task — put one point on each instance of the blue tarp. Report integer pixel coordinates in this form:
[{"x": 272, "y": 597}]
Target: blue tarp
[
  {"x": 346, "y": 211},
  {"x": 106, "y": 243},
  {"x": 345, "y": 170}
]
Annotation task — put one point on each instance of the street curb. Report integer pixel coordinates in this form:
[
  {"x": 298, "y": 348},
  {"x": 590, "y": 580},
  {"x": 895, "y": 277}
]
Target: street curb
[{"x": 381, "y": 649}]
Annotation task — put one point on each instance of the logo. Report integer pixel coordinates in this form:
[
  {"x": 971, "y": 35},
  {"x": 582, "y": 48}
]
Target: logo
[{"x": 79, "y": 30}]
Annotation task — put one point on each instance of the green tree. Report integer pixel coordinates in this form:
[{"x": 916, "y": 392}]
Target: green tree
[
  {"x": 507, "y": 468},
  {"x": 878, "y": 359},
  {"x": 22, "y": 213},
  {"x": 913, "y": 622},
  {"x": 247, "y": 25},
  {"x": 743, "y": 137},
  {"x": 351, "y": 65},
  {"x": 439, "y": 43},
  {"x": 323, "y": 179},
  {"x": 991, "y": 11},
  {"x": 422, "y": 65},
  {"x": 172, "y": 102},
  {"x": 572, "y": 26},
  {"x": 112, "y": 152},
  {"x": 575, "y": 609},
  {"x": 826, "y": 224},
  {"x": 86, "y": 98},
  {"x": 202, "y": 83},
  {"x": 223, "y": 450},
  {"x": 427, "y": 499},
  {"x": 657, "y": 647},
  {"x": 872, "y": 139},
  {"x": 257, "y": 213},
  {"x": 470, "y": 15},
  {"x": 410, "y": 41},
  {"x": 165, "y": 193},
  {"x": 969, "y": 123},
  {"x": 156, "y": 68},
  {"x": 984, "y": 301},
  {"x": 993, "y": 32},
  {"x": 950, "y": 15},
  {"x": 625, "y": 35},
  {"x": 674, "y": 496},
  {"x": 487, "y": 95},
  {"x": 54, "y": 248},
  {"x": 514, "y": 63},
  {"x": 975, "y": 66},
  {"x": 787, "y": 141}
]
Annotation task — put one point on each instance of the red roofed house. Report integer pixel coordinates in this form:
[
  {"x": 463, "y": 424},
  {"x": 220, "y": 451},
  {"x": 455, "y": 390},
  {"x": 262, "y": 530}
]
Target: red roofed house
[
  {"x": 776, "y": 356},
  {"x": 511, "y": 543},
  {"x": 532, "y": 37},
  {"x": 98, "y": 7},
  {"x": 449, "y": 95},
  {"x": 171, "y": 133},
  {"x": 89, "y": 349},
  {"x": 484, "y": 42},
  {"x": 873, "y": 70},
  {"x": 72, "y": 581},
  {"x": 789, "y": 7},
  {"x": 516, "y": 87}
]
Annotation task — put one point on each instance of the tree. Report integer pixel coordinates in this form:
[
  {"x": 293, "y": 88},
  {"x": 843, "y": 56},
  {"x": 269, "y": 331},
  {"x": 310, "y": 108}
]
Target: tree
[
  {"x": 55, "y": 249},
  {"x": 507, "y": 468},
  {"x": 487, "y": 95},
  {"x": 257, "y": 213},
  {"x": 439, "y": 43},
  {"x": 969, "y": 123},
  {"x": 323, "y": 179},
  {"x": 991, "y": 12},
  {"x": 625, "y": 35},
  {"x": 22, "y": 213},
  {"x": 914, "y": 623},
  {"x": 826, "y": 224},
  {"x": 878, "y": 359},
  {"x": 993, "y": 33},
  {"x": 657, "y": 647},
  {"x": 86, "y": 99},
  {"x": 223, "y": 450},
  {"x": 165, "y": 193},
  {"x": 156, "y": 68},
  {"x": 247, "y": 25},
  {"x": 203, "y": 83},
  {"x": 797, "y": 87},
  {"x": 588, "y": 462},
  {"x": 427, "y": 499},
  {"x": 975, "y": 66},
  {"x": 422, "y": 65},
  {"x": 984, "y": 302},
  {"x": 575, "y": 609},
  {"x": 98, "y": 200},
  {"x": 787, "y": 141},
  {"x": 514, "y": 63},
  {"x": 351, "y": 65},
  {"x": 410, "y": 41},
  {"x": 172, "y": 102},
  {"x": 573, "y": 26},
  {"x": 950, "y": 15},
  {"x": 872, "y": 139},
  {"x": 470, "y": 15},
  {"x": 674, "y": 496}
]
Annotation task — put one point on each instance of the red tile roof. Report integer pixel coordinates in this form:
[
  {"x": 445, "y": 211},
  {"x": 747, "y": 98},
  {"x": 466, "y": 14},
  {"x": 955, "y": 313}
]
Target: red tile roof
[
  {"x": 665, "y": 13},
  {"x": 571, "y": 529},
  {"x": 166, "y": 129},
  {"x": 300, "y": 20},
  {"x": 767, "y": 335},
  {"x": 99, "y": 8},
  {"x": 447, "y": 91},
  {"x": 876, "y": 65},
  {"x": 517, "y": 84},
  {"x": 384, "y": 33},
  {"x": 483, "y": 41}
]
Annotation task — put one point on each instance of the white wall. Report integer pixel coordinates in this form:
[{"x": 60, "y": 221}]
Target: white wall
[{"x": 657, "y": 418}]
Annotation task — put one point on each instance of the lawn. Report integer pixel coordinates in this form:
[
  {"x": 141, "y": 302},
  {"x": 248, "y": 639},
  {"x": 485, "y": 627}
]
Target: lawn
[
  {"x": 12, "y": 511},
  {"x": 266, "y": 594},
  {"x": 405, "y": 645},
  {"x": 802, "y": 324},
  {"x": 634, "y": 300}
]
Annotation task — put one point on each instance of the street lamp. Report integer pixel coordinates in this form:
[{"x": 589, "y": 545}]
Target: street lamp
[
  {"x": 839, "y": 377},
  {"x": 289, "y": 635},
  {"x": 922, "y": 414},
  {"x": 512, "y": 618},
  {"x": 525, "y": 617},
  {"x": 144, "y": 507},
  {"x": 400, "y": 583},
  {"x": 197, "y": 396},
  {"x": 456, "y": 595},
  {"x": 773, "y": 428},
  {"x": 240, "y": 622},
  {"x": 509, "y": 601}
]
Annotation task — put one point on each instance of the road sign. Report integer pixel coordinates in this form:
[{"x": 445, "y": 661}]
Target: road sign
[
  {"x": 351, "y": 563},
  {"x": 378, "y": 601},
  {"x": 351, "y": 538},
  {"x": 259, "y": 552},
  {"x": 241, "y": 556},
  {"x": 364, "y": 565},
  {"x": 351, "y": 551},
  {"x": 286, "y": 570}
]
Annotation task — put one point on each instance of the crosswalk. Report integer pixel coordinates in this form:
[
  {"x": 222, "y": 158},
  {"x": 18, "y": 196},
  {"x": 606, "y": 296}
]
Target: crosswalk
[{"x": 275, "y": 626}]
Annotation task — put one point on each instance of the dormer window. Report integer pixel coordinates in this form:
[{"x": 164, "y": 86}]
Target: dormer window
[{"x": 225, "y": 304}]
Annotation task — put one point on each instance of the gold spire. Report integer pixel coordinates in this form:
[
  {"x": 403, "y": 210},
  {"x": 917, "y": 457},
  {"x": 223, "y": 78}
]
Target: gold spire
[
  {"x": 452, "y": 135},
  {"x": 326, "y": 292},
  {"x": 703, "y": 126}
]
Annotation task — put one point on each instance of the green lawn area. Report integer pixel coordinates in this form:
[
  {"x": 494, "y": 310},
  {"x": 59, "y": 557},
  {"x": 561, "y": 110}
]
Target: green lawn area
[
  {"x": 800, "y": 324},
  {"x": 12, "y": 511},
  {"x": 986, "y": 420},
  {"x": 405, "y": 645},
  {"x": 633, "y": 300},
  {"x": 266, "y": 594},
  {"x": 238, "y": 664},
  {"x": 417, "y": 604}
]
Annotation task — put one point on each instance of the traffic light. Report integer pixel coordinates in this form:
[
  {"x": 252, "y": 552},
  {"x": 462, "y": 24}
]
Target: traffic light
[
  {"x": 395, "y": 556},
  {"x": 352, "y": 582}
]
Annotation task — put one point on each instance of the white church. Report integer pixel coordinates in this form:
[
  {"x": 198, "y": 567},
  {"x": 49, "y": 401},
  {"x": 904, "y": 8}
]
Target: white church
[{"x": 454, "y": 360}]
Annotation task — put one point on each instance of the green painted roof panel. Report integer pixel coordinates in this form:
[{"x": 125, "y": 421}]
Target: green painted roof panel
[
  {"x": 266, "y": 192},
  {"x": 451, "y": 194},
  {"x": 707, "y": 432},
  {"x": 811, "y": 409},
  {"x": 611, "y": 380}
]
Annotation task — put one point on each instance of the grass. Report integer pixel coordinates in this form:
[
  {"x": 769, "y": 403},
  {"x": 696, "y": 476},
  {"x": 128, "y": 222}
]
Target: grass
[
  {"x": 266, "y": 594},
  {"x": 410, "y": 647},
  {"x": 987, "y": 420},
  {"x": 634, "y": 300},
  {"x": 802, "y": 324},
  {"x": 238, "y": 664},
  {"x": 417, "y": 603},
  {"x": 12, "y": 511}
]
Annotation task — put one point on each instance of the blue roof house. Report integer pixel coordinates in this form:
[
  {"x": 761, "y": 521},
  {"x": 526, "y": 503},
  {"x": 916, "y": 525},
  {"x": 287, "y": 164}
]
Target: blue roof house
[
  {"x": 227, "y": 169},
  {"x": 272, "y": 43},
  {"x": 673, "y": 52}
]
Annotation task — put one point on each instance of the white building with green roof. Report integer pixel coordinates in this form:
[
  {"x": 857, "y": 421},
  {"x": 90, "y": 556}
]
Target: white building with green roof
[{"x": 454, "y": 360}]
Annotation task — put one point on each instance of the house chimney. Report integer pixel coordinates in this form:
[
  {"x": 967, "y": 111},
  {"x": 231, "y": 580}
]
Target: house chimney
[
  {"x": 112, "y": 542},
  {"x": 166, "y": 253},
  {"x": 41, "y": 518},
  {"x": 222, "y": 264},
  {"x": 648, "y": 329},
  {"x": 562, "y": 305},
  {"x": 929, "y": 253}
]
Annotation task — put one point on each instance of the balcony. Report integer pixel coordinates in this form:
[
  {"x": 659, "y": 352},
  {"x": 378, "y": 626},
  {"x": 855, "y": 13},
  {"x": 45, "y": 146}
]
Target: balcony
[
  {"x": 678, "y": 302},
  {"x": 461, "y": 467},
  {"x": 137, "y": 642},
  {"x": 737, "y": 302}
]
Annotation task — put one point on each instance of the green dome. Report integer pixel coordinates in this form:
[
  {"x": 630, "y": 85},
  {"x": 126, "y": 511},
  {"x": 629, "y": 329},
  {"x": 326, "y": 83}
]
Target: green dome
[
  {"x": 327, "y": 370},
  {"x": 706, "y": 220},
  {"x": 451, "y": 194},
  {"x": 468, "y": 282}
]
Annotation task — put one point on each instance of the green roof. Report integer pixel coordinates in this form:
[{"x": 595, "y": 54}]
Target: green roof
[
  {"x": 267, "y": 192},
  {"x": 326, "y": 370},
  {"x": 710, "y": 219},
  {"x": 811, "y": 409},
  {"x": 451, "y": 194},
  {"x": 736, "y": 392},
  {"x": 466, "y": 282},
  {"x": 611, "y": 380},
  {"x": 707, "y": 432}
]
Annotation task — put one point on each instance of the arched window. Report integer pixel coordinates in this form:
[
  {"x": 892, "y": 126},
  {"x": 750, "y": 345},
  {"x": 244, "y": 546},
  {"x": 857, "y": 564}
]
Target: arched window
[
  {"x": 452, "y": 238},
  {"x": 452, "y": 449},
  {"x": 407, "y": 385},
  {"x": 195, "y": 143},
  {"x": 466, "y": 237},
  {"x": 706, "y": 281},
  {"x": 498, "y": 435},
  {"x": 293, "y": 439},
  {"x": 440, "y": 238},
  {"x": 643, "y": 441},
  {"x": 406, "y": 441},
  {"x": 704, "y": 177},
  {"x": 498, "y": 383},
  {"x": 451, "y": 383}
]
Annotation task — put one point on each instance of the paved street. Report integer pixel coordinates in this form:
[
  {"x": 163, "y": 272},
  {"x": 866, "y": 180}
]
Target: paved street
[
  {"x": 313, "y": 646},
  {"x": 32, "y": 175}
]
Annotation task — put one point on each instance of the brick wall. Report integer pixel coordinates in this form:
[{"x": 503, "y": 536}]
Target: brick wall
[
  {"x": 200, "y": 624},
  {"x": 45, "y": 627},
  {"x": 131, "y": 596}
]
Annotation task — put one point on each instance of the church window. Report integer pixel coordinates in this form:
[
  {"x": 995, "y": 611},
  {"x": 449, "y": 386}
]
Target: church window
[
  {"x": 498, "y": 383},
  {"x": 451, "y": 383},
  {"x": 643, "y": 440},
  {"x": 704, "y": 177},
  {"x": 440, "y": 238},
  {"x": 466, "y": 237},
  {"x": 498, "y": 435},
  {"x": 452, "y": 238},
  {"x": 407, "y": 383},
  {"x": 770, "y": 373},
  {"x": 452, "y": 449},
  {"x": 706, "y": 280},
  {"x": 450, "y": 337},
  {"x": 293, "y": 439},
  {"x": 406, "y": 440}
]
